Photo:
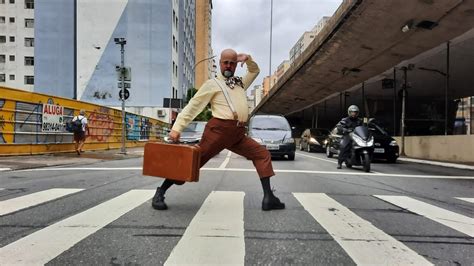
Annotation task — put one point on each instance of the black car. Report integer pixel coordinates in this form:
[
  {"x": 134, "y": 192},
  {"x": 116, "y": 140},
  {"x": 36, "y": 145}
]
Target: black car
[
  {"x": 385, "y": 147},
  {"x": 273, "y": 132},
  {"x": 313, "y": 139}
]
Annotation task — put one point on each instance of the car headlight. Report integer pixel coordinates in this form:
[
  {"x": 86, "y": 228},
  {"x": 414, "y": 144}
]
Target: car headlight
[
  {"x": 289, "y": 140},
  {"x": 362, "y": 142},
  {"x": 258, "y": 140},
  {"x": 393, "y": 143},
  {"x": 314, "y": 141}
]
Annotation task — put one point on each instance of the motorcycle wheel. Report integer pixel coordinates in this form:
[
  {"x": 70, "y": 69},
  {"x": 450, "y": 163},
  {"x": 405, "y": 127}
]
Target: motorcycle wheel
[
  {"x": 366, "y": 162},
  {"x": 348, "y": 165}
]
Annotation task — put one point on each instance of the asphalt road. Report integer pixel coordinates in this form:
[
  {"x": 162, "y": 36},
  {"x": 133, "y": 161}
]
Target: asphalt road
[{"x": 100, "y": 214}]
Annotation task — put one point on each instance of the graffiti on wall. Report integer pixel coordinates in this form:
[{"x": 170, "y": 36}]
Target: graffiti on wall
[{"x": 101, "y": 125}]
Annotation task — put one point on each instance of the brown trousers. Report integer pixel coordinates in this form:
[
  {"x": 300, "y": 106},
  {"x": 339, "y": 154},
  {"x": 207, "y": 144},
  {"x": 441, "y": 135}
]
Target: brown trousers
[{"x": 222, "y": 134}]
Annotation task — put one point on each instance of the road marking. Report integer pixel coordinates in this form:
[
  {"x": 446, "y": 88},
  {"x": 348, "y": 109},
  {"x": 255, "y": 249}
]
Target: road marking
[
  {"x": 452, "y": 165},
  {"x": 471, "y": 200},
  {"x": 226, "y": 161},
  {"x": 44, "y": 245},
  {"x": 317, "y": 158},
  {"x": 363, "y": 242},
  {"x": 451, "y": 219},
  {"x": 253, "y": 170},
  {"x": 215, "y": 236},
  {"x": 5, "y": 169},
  {"x": 23, "y": 202}
]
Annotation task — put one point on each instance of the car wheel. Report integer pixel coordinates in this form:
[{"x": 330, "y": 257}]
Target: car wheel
[
  {"x": 329, "y": 154},
  {"x": 301, "y": 145},
  {"x": 308, "y": 148},
  {"x": 291, "y": 157}
]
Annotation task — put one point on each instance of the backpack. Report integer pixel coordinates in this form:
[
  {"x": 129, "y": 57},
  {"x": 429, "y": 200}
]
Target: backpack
[{"x": 74, "y": 126}]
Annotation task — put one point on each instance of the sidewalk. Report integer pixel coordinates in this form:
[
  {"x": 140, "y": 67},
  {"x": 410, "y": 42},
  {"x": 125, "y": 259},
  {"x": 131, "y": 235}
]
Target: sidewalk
[{"x": 9, "y": 163}]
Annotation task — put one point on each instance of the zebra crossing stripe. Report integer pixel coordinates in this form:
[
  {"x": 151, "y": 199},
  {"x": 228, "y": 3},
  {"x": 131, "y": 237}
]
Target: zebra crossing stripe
[
  {"x": 44, "y": 245},
  {"x": 215, "y": 236},
  {"x": 23, "y": 202},
  {"x": 451, "y": 219},
  {"x": 471, "y": 200},
  {"x": 363, "y": 242}
]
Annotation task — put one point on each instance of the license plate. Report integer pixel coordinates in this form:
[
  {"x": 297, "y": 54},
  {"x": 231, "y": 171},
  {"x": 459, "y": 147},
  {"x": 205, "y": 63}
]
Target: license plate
[
  {"x": 379, "y": 150},
  {"x": 272, "y": 147}
]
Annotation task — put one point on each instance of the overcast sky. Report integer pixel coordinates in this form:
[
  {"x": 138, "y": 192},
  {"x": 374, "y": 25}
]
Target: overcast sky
[{"x": 244, "y": 25}]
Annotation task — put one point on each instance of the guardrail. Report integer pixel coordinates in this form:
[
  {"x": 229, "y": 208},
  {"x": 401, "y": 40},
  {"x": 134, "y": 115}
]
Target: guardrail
[{"x": 27, "y": 127}]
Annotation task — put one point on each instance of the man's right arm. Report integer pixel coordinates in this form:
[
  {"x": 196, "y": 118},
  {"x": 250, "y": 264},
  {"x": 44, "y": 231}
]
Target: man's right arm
[{"x": 195, "y": 106}]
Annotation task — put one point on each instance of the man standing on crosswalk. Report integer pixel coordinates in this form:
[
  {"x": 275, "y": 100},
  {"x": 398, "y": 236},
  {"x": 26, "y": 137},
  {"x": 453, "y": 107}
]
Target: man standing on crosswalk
[{"x": 226, "y": 130}]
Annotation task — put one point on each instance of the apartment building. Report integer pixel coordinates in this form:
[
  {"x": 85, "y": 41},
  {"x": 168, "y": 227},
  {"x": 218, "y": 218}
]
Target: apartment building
[{"x": 17, "y": 23}]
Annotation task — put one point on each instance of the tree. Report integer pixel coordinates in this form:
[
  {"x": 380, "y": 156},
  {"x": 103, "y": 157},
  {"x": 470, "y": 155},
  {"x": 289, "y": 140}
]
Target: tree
[{"x": 206, "y": 114}]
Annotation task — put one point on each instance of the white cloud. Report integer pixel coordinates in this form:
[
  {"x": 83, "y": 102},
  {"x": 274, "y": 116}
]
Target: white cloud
[{"x": 244, "y": 25}]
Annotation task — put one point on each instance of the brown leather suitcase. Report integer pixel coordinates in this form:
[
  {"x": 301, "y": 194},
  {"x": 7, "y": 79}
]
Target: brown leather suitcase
[{"x": 172, "y": 161}]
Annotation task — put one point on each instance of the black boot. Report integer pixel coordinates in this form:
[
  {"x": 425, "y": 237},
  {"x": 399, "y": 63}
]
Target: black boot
[
  {"x": 339, "y": 165},
  {"x": 270, "y": 202},
  {"x": 158, "y": 201}
]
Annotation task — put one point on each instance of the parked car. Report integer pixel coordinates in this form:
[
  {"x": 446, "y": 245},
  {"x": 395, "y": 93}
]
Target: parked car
[
  {"x": 192, "y": 134},
  {"x": 313, "y": 139},
  {"x": 273, "y": 132},
  {"x": 386, "y": 147}
]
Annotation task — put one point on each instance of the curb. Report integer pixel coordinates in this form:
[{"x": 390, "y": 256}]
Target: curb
[{"x": 451, "y": 165}]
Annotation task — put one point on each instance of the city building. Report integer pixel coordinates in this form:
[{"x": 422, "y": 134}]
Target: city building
[
  {"x": 281, "y": 69},
  {"x": 205, "y": 64},
  {"x": 77, "y": 55},
  {"x": 268, "y": 83},
  {"x": 17, "y": 23},
  {"x": 306, "y": 39}
]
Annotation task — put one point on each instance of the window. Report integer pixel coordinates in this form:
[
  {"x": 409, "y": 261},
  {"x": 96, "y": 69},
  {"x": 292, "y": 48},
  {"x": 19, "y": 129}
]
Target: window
[
  {"x": 12, "y": 58},
  {"x": 2, "y": 58},
  {"x": 29, "y": 80},
  {"x": 2, "y": 19},
  {"x": 29, "y": 4},
  {"x": 12, "y": 77},
  {"x": 3, "y": 39},
  {"x": 12, "y": 1},
  {"x": 2, "y": 1},
  {"x": 12, "y": 38},
  {"x": 29, "y": 42},
  {"x": 29, "y": 23},
  {"x": 12, "y": 20},
  {"x": 29, "y": 61},
  {"x": 2, "y": 77}
]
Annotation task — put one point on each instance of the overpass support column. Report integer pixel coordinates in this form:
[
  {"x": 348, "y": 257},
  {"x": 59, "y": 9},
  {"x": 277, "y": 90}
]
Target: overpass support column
[
  {"x": 446, "y": 90},
  {"x": 394, "y": 101},
  {"x": 402, "y": 150}
]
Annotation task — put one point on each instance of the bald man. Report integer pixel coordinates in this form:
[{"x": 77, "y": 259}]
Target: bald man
[{"x": 226, "y": 129}]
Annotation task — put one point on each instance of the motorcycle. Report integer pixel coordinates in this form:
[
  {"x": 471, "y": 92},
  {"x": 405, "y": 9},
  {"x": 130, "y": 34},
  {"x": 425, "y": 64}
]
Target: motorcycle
[{"x": 362, "y": 148}]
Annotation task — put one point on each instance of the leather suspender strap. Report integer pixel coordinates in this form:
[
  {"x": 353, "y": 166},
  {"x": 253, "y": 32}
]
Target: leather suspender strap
[{"x": 229, "y": 101}]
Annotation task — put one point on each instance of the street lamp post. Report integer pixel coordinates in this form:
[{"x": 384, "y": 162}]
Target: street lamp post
[{"x": 122, "y": 42}]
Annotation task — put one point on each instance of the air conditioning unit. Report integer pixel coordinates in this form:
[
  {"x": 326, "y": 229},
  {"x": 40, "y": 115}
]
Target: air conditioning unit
[{"x": 161, "y": 113}]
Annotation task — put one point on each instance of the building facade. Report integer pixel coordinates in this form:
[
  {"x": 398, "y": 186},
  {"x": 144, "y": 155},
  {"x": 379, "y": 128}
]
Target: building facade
[
  {"x": 204, "y": 66},
  {"x": 77, "y": 56},
  {"x": 17, "y": 23},
  {"x": 306, "y": 39}
]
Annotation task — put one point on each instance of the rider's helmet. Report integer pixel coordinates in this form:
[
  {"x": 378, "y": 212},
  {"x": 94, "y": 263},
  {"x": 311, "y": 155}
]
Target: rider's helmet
[{"x": 353, "y": 111}]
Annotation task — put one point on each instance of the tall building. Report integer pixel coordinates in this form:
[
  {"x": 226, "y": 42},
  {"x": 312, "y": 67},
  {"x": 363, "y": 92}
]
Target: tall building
[
  {"x": 306, "y": 39},
  {"x": 17, "y": 22},
  {"x": 204, "y": 64},
  {"x": 77, "y": 55}
]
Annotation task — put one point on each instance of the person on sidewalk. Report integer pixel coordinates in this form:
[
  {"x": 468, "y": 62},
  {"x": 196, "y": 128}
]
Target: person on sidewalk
[
  {"x": 226, "y": 129},
  {"x": 344, "y": 127},
  {"x": 80, "y": 135}
]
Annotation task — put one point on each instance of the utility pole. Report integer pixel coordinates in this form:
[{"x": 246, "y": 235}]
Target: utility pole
[{"x": 122, "y": 42}]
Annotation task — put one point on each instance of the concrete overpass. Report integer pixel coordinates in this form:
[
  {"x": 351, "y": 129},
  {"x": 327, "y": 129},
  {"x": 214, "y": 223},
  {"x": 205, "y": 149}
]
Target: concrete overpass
[{"x": 363, "y": 41}]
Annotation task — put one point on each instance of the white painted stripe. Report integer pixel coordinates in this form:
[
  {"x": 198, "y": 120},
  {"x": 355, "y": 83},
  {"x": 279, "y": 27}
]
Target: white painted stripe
[
  {"x": 452, "y": 165},
  {"x": 215, "y": 236},
  {"x": 253, "y": 170},
  {"x": 44, "y": 245},
  {"x": 317, "y": 158},
  {"x": 363, "y": 242},
  {"x": 23, "y": 202},
  {"x": 451, "y": 219},
  {"x": 226, "y": 161},
  {"x": 5, "y": 169},
  {"x": 471, "y": 200}
]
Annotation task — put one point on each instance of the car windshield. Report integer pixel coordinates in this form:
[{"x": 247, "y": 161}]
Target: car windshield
[
  {"x": 269, "y": 123},
  {"x": 195, "y": 127},
  {"x": 319, "y": 132},
  {"x": 375, "y": 129}
]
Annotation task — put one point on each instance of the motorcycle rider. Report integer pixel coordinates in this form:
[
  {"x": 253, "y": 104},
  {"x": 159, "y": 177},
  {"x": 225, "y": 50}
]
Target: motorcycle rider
[{"x": 345, "y": 126}]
